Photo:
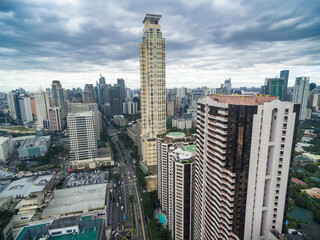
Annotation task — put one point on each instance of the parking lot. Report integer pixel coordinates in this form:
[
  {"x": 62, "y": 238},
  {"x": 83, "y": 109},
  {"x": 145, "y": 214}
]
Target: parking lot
[{"x": 86, "y": 178}]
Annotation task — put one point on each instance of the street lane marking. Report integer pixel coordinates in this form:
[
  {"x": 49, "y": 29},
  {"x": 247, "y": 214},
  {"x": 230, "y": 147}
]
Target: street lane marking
[{"x": 138, "y": 200}]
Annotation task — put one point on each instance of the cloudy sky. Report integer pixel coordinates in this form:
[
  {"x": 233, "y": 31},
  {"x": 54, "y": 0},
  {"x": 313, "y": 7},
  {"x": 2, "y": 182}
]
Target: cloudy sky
[{"x": 207, "y": 41}]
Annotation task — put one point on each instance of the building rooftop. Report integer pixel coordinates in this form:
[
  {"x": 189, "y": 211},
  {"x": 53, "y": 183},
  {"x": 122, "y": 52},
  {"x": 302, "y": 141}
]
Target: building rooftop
[
  {"x": 298, "y": 181},
  {"x": 104, "y": 152},
  {"x": 189, "y": 148},
  {"x": 243, "y": 99},
  {"x": 34, "y": 142},
  {"x": 65, "y": 222},
  {"x": 25, "y": 186},
  {"x": 151, "y": 16},
  {"x": 176, "y": 135},
  {"x": 75, "y": 199},
  {"x": 3, "y": 139}
]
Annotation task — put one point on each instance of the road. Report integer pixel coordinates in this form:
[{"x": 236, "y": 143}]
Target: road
[{"x": 121, "y": 206}]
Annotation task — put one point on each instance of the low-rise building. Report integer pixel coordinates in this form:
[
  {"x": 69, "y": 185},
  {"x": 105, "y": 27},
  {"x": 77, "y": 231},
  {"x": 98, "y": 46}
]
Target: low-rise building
[
  {"x": 120, "y": 120},
  {"x": 24, "y": 187},
  {"x": 134, "y": 134},
  {"x": 77, "y": 200},
  {"x": 6, "y": 148},
  {"x": 77, "y": 226},
  {"x": 34, "y": 147},
  {"x": 104, "y": 159},
  {"x": 313, "y": 192}
]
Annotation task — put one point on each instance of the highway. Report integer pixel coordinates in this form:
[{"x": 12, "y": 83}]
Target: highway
[{"x": 121, "y": 209}]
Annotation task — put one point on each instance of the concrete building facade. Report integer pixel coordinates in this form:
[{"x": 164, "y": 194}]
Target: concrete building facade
[
  {"x": 300, "y": 95},
  {"x": 245, "y": 147},
  {"x": 82, "y": 136},
  {"x": 42, "y": 103},
  {"x": 6, "y": 148},
  {"x": 176, "y": 183},
  {"x": 153, "y": 89}
]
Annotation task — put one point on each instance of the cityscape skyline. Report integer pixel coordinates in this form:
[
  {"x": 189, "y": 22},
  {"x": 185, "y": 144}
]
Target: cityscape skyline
[{"x": 207, "y": 43}]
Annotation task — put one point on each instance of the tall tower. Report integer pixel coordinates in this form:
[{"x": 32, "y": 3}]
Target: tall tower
[
  {"x": 153, "y": 89},
  {"x": 89, "y": 96},
  {"x": 42, "y": 108},
  {"x": 300, "y": 95},
  {"x": 82, "y": 135},
  {"x": 245, "y": 147},
  {"x": 285, "y": 75},
  {"x": 58, "y": 97}
]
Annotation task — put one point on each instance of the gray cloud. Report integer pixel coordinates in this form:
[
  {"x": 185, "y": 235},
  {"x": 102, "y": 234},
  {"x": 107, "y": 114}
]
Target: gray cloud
[{"x": 207, "y": 41}]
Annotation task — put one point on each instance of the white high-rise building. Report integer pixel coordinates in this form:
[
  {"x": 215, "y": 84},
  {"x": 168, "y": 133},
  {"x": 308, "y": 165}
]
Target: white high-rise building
[
  {"x": 42, "y": 101},
  {"x": 25, "y": 109},
  {"x": 6, "y": 148},
  {"x": 300, "y": 95},
  {"x": 153, "y": 89},
  {"x": 244, "y": 152},
  {"x": 82, "y": 136},
  {"x": 176, "y": 182}
]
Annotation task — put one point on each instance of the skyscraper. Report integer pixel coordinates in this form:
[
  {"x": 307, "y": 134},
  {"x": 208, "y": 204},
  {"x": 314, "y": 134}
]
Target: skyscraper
[
  {"x": 82, "y": 136},
  {"x": 275, "y": 87},
  {"x": 300, "y": 95},
  {"x": 25, "y": 109},
  {"x": 42, "y": 107},
  {"x": 85, "y": 107},
  {"x": 176, "y": 182},
  {"x": 285, "y": 75},
  {"x": 122, "y": 86},
  {"x": 245, "y": 147},
  {"x": 89, "y": 96},
  {"x": 115, "y": 100},
  {"x": 153, "y": 89},
  {"x": 57, "y": 96}
]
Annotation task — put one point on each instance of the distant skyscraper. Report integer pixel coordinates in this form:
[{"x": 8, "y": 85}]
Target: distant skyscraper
[
  {"x": 275, "y": 87},
  {"x": 153, "y": 88},
  {"x": 101, "y": 91},
  {"x": 14, "y": 107},
  {"x": 115, "y": 100},
  {"x": 89, "y": 96},
  {"x": 130, "y": 107},
  {"x": 176, "y": 183},
  {"x": 122, "y": 86},
  {"x": 57, "y": 96},
  {"x": 226, "y": 86},
  {"x": 300, "y": 95},
  {"x": 82, "y": 137},
  {"x": 42, "y": 106},
  {"x": 285, "y": 75},
  {"x": 245, "y": 148},
  {"x": 25, "y": 109},
  {"x": 55, "y": 118}
]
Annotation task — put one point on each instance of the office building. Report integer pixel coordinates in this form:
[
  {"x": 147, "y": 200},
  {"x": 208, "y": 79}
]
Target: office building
[
  {"x": 6, "y": 148},
  {"x": 42, "y": 103},
  {"x": 275, "y": 87},
  {"x": 33, "y": 105},
  {"x": 226, "y": 87},
  {"x": 34, "y": 147},
  {"x": 115, "y": 100},
  {"x": 25, "y": 109},
  {"x": 284, "y": 74},
  {"x": 85, "y": 107},
  {"x": 55, "y": 119},
  {"x": 57, "y": 96},
  {"x": 13, "y": 104},
  {"x": 120, "y": 120},
  {"x": 153, "y": 89},
  {"x": 130, "y": 108},
  {"x": 122, "y": 85},
  {"x": 176, "y": 182},
  {"x": 170, "y": 108},
  {"x": 82, "y": 136},
  {"x": 300, "y": 95},
  {"x": 245, "y": 147},
  {"x": 88, "y": 93},
  {"x": 102, "y": 91}
]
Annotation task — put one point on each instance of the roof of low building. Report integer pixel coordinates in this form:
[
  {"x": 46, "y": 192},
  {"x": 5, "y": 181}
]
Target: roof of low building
[{"x": 298, "y": 181}]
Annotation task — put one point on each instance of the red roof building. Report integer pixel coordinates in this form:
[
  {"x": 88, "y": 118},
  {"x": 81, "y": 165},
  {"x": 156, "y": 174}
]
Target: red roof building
[{"x": 298, "y": 181}]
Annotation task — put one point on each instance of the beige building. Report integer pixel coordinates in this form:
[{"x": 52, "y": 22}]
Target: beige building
[{"x": 153, "y": 89}]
